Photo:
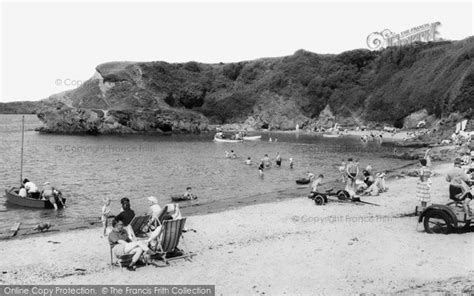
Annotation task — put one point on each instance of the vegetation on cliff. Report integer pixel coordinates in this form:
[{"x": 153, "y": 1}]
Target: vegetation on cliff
[{"x": 354, "y": 87}]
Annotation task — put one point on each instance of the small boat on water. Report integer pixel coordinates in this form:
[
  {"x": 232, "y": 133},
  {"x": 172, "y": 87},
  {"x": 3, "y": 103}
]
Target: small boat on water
[
  {"x": 302, "y": 181},
  {"x": 252, "y": 138},
  {"x": 181, "y": 197},
  {"x": 14, "y": 198},
  {"x": 331, "y": 135},
  {"x": 223, "y": 140}
]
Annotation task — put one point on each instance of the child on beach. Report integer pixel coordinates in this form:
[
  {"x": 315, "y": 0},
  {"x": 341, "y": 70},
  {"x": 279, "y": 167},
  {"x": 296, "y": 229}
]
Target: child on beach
[
  {"x": 105, "y": 213},
  {"x": 316, "y": 182},
  {"x": 423, "y": 187},
  {"x": 342, "y": 171}
]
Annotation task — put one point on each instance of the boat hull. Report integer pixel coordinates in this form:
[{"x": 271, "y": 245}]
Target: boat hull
[
  {"x": 14, "y": 198},
  {"x": 302, "y": 181},
  {"x": 252, "y": 138},
  {"x": 217, "y": 140},
  {"x": 330, "y": 136},
  {"x": 181, "y": 197}
]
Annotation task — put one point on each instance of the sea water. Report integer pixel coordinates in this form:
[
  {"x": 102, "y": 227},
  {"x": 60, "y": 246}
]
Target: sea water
[{"x": 88, "y": 168}]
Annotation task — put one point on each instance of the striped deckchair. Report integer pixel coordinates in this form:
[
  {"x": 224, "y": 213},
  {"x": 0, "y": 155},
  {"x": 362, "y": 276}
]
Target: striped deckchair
[{"x": 171, "y": 232}]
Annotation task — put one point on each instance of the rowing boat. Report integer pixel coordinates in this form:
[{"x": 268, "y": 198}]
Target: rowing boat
[
  {"x": 302, "y": 181},
  {"x": 181, "y": 197},
  {"x": 252, "y": 138},
  {"x": 331, "y": 135},
  {"x": 12, "y": 194},
  {"x": 14, "y": 198},
  {"x": 219, "y": 140}
]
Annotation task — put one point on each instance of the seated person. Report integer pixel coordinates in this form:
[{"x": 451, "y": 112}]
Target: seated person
[
  {"x": 22, "y": 192},
  {"x": 368, "y": 178},
  {"x": 122, "y": 245},
  {"x": 378, "y": 186},
  {"x": 188, "y": 194},
  {"x": 172, "y": 213},
  {"x": 127, "y": 214},
  {"x": 458, "y": 186},
  {"x": 154, "y": 211},
  {"x": 31, "y": 189}
]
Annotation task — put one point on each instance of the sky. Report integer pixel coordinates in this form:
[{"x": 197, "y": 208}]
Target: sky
[{"x": 50, "y": 47}]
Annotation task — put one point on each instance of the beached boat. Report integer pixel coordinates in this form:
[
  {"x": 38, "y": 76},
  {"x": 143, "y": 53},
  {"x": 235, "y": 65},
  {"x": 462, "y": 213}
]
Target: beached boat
[
  {"x": 220, "y": 140},
  {"x": 252, "y": 138},
  {"x": 14, "y": 198}
]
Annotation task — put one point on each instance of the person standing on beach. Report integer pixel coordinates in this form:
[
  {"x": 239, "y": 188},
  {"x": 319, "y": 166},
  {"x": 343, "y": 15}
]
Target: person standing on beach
[
  {"x": 352, "y": 171},
  {"x": 423, "y": 187},
  {"x": 291, "y": 162},
  {"x": 106, "y": 211}
]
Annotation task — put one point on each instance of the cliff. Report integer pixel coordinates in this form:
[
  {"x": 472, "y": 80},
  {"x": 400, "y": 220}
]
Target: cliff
[{"x": 357, "y": 87}]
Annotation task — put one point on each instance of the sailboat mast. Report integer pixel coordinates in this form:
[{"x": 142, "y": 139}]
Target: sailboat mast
[{"x": 22, "y": 140}]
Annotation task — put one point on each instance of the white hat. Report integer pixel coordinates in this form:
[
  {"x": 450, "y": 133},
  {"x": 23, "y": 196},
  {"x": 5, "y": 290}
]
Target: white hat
[{"x": 153, "y": 199}]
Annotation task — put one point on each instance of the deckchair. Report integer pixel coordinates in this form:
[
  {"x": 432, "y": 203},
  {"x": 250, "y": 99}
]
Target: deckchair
[
  {"x": 138, "y": 222},
  {"x": 122, "y": 261},
  {"x": 170, "y": 234}
]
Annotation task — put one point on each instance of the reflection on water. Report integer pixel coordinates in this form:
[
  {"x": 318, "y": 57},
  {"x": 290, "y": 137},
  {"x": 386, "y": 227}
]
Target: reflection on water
[{"x": 88, "y": 168}]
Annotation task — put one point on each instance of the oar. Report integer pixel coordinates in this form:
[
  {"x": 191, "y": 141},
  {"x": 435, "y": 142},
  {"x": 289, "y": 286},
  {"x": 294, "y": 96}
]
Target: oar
[{"x": 366, "y": 202}]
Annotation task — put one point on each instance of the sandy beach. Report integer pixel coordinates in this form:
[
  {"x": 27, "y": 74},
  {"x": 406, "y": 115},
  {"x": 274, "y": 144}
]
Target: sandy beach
[{"x": 285, "y": 247}]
